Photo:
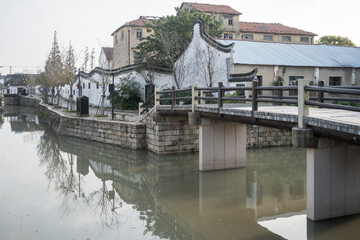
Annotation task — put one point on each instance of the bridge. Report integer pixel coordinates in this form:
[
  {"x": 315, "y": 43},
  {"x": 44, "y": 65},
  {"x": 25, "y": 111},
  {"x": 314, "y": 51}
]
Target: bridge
[{"x": 324, "y": 120}]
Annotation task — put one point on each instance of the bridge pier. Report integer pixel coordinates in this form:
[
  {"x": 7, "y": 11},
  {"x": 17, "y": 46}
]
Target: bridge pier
[
  {"x": 333, "y": 177},
  {"x": 222, "y": 144}
]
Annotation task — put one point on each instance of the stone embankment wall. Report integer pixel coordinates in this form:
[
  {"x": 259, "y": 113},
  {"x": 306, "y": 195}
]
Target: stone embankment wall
[
  {"x": 28, "y": 101},
  {"x": 168, "y": 134},
  {"x": 11, "y": 99},
  {"x": 259, "y": 136},
  {"x": 171, "y": 134},
  {"x": 19, "y": 100},
  {"x": 123, "y": 134}
]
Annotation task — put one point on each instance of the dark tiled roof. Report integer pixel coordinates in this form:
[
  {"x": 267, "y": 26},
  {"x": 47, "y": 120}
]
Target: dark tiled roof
[
  {"x": 211, "y": 8},
  {"x": 275, "y": 28},
  {"x": 109, "y": 53}
]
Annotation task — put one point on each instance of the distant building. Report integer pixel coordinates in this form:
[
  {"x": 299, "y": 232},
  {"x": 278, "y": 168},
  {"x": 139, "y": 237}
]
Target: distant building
[
  {"x": 223, "y": 13},
  {"x": 251, "y": 31},
  {"x": 126, "y": 38},
  {"x": 106, "y": 58}
]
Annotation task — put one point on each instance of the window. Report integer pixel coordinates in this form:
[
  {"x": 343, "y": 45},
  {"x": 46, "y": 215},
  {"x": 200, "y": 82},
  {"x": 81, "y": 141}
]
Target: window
[
  {"x": 89, "y": 85},
  {"x": 248, "y": 36},
  {"x": 122, "y": 35},
  {"x": 83, "y": 85},
  {"x": 334, "y": 81},
  {"x": 268, "y": 37},
  {"x": 229, "y": 20},
  {"x": 73, "y": 92},
  {"x": 304, "y": 39},
  {"x": 116, "y": 40},
  {"x": 228, "y": 36},
  {"x": 286, "y": 39},
  {"x": 97, "y": 86},
  {"x": 293, "y": 81},
  {"x": 138, "y": 33}
]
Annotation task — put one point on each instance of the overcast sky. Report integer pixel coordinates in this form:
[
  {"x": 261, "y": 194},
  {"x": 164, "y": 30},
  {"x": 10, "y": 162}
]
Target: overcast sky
[{"x": 27, "y": 26}]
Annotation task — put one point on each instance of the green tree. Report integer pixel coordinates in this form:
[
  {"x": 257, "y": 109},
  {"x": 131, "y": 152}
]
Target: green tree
[
  {"x": 127, "y": 95},
  {"x": 170, "y": 36},
  {"x": 336, "y": 40}
]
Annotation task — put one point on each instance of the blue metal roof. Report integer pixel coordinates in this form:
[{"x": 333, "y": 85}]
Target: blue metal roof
[{"x": 284, "y": 54}]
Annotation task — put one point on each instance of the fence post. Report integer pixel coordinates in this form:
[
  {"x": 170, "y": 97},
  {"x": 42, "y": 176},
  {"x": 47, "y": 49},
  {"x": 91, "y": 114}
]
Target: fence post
[
  {"x": 194, "y": 93},
  {"x": 141, "y": 108},
  {"x": 157, "y": 98},
  {"x": 220, "y": 95},
  {"x": 173, "y": 95},
  {"x": 254, "y": 95},
  {"x": 280, "y": 94},
  {"x": 202, "y": 101},
  {"x": 303, "y": 96},
  {"x": 321, "y": 94}
]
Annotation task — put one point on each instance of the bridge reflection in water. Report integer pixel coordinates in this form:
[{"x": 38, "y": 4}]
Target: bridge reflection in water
[
  {"x": 178, "y": 202},
  {"x": 174, "y": 200}
]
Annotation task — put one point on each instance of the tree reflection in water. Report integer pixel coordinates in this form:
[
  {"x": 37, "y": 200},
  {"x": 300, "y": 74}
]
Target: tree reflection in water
[{"x": 59, "y": 170}]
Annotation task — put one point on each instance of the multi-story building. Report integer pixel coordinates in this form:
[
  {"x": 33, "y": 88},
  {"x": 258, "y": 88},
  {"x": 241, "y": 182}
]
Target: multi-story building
[
  {"x": 274, "y": 32},
  {"x": 126, "y": 38},
  {"x": 222, "y": 13},
  {"x": 234, "y": 29}
]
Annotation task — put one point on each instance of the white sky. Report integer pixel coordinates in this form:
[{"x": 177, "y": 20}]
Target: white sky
[{"x": 27, "y": 26}]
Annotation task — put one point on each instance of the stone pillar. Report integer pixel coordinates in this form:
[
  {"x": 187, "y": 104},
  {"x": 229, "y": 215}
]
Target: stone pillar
[
  {"x": 333, "y": 180},
  {"x": 222, "y": 145}
]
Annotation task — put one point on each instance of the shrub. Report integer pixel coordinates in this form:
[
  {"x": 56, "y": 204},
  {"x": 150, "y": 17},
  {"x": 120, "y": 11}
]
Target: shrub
[{"x": 127, "y": 95}]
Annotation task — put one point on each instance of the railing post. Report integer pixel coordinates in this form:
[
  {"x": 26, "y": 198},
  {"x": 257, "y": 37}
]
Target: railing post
[
  {"x": 202, "y": 101},
  {"x": 220, "y": 95},
  {"x": 157, "y": 98},
  {"x": 194, "y": 93},
  {"x": 303, "y": 96},
  {"x": 141, "y": 108},
  {"x": 254, "y": 95},
  {"x": 280, "y": 94},
  {"x": 173, "y": 103},
  {"x": 321, "y": 94}
]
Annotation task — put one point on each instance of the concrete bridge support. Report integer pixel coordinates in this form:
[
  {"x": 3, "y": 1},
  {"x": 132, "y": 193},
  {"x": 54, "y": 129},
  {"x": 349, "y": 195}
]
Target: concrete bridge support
[
  {"x": 333, "y": 180},
  {"x": 222, "y": 144}
]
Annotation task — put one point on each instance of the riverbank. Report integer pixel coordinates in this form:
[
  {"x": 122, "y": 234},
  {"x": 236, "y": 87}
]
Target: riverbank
[{"x": 171, "y": 134}]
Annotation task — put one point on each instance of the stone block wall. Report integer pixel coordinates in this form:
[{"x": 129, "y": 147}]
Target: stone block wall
[
  {"x": 28, "y": 101},
  {"x": 11, "y": 99},
  {"x": 259, "y": 136},
  {"x": 128, "y": 135},
  {"x": 172, "y": 134}
]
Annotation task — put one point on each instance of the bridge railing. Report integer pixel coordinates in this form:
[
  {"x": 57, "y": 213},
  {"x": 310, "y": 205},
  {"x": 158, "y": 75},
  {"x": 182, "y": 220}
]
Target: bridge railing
[{"x": 278, "y": 95}]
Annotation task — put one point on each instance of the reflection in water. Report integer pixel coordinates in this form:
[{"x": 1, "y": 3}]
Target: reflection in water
[{"x": 169, "y": 198}]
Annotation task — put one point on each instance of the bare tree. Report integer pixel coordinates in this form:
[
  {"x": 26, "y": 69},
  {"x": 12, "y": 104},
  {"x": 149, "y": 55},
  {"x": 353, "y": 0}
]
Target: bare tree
[
  {"x": 206, "y": 60},
  {"x": 92, "y": 59},
  {"x": 177, "y": 62},
  {"x": 69, "y": 73}
]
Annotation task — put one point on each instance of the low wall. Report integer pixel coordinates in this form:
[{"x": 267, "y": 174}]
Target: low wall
[
  {"x": 128, "y": 135},
  {"x": 28, "y": 101},
  {"x": 11, "y": 99},
  {"x": 171, "y": 134}
]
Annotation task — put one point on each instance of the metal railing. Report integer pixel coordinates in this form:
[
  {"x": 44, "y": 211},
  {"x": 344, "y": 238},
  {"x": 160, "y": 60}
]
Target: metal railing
[{"x": 9, "y": 91}]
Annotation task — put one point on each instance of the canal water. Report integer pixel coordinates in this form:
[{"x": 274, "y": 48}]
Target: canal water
[{"x": 55, "y": 187}]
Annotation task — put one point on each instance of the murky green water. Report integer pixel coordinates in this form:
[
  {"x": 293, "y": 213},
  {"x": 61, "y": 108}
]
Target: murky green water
[{"x": 54, "y": 187}]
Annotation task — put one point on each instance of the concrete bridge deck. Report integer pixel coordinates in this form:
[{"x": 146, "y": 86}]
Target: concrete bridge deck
[{"x": 339, "y": 124}]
